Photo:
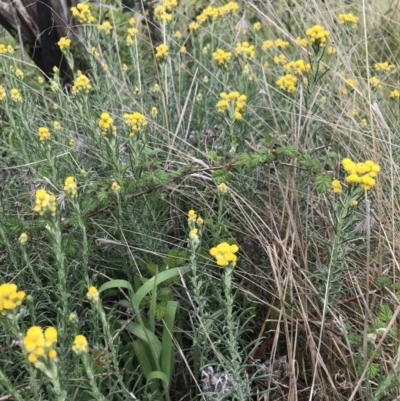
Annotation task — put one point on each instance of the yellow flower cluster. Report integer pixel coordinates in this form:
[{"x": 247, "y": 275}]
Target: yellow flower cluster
[
  {"x": 136, "y": 121},
  {"x": 93, "y": 294},
  {"x": 40, "y": 345},
  {"x": 375, "y": 82},
  {"x": 337, "y": 186},
  {"x": 298, "y": 67},
  {"x": 225, "y": 254},
  {"x": 234, "y": 99},
  {"x": 280, "y": 59},
  {"x": 19, "y": 73},
  {"x": 349, "y": 18},
  {"x": 105, "y": 27},
  {"x": 213, "y": 13},
  {"x": 302, "y": 41},
  {"x": 106, "y": 123},
  {"x": 131, "y": 33},
  {"x": 317, "y": 35},
  {"x": 70, "y": 186},
  {"x": 80, "y": 345},
  {"x": 64, "y": 43},
  {"x": 257, "y": 26},
  {"x": 363, "y": 173},
  {"x": 15, "y": 95},
  {"x": 221, "y": 57},
  {"x": 395, "y": 94},
  {"x": 82, "y": 12},
  {"x": 10, "y": 298},
  {"x": 280, "y": 43},
  {"x": 6, "y": 49},
  {"x": 331, "y": 50},
  {"x": 44, "y": 134},
  {"x": 162, "y": 51},
  {"x": 45, "y": 202},
  {"x": 267, "y": 44},
  {"x": 82, "y": 83},
  {"x": 163, "y": 11},
  {"x": 245, "y": 49},
  {"x": 384, "y": 66},
  {"x": 287, "y": 83}
]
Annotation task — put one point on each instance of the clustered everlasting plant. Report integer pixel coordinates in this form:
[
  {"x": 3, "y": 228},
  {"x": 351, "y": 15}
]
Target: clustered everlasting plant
[{"x": 198, "y": 201}]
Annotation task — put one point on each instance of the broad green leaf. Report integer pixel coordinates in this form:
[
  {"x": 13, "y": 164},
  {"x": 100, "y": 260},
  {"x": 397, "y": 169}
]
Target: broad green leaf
[
  {"x": 149, "y": 285},
  {"x": 323, "y": 182},
  {"x": 116, "y": 284},
  {"x": 149, "y": 338},
  {"x": 167, "y": 356}
]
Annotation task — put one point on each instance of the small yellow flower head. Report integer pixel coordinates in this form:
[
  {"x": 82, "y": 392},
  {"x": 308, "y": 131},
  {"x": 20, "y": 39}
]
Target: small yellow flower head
[
  {"x": 205, "y": 79},
  {"x": 287, "y": 83},
  {"x": 257, "y": 26},
  {"x": 225, "y": 254},
  {"x": 3, "y": 93},
  {"x": 81, "y": 84},
  {"x": 348, "y": 19},
  {"x": 154, "y": 111},
  {"x": 199, "y": 221},
  {"x": 70, "y": 186},
  {"x": 192, "y": 216},
  {"x": 384, "y": 66},
  {"x": 19, "y": 74},
  {"x": 302, "y": 41},
  {"x": 375, "y": 82},
  {"x": 194, "y": 233},
  {"x": 132, "y": 21},
  {"x": 115, "y": 187},
  {"x": 80, "y": 345},
  {"x": 52, "y": 354},
  {"x": 105, "y": 122},
  {"x": 72, "y": 142},
  {"x": 280, "y": 59},
  {"x": 280, "y": 43},
  {"x": 267, "y": 44},
  {"x": 331, "y": 50},
  {"x": 317, "y": 35},
  {"x": 105, "y": 27},
  {"x": 222, "y": 57},
  {"x": 45, "y": 203},
  {"x": 93, "y": 294},
  {"x": 10, "y": 49},
  {"x": 23, "y": 238},
  {"x": 354, "y": 203},
  {"x": 222, "y": 189},
  {"x": 15, "y": 95},
  {"x": 162, "y": 51},
  {"x": 56, "y": 125},
  {"x": 183, "y": 50},
  {"x": 44, "y": 134},
  {"x": 245, "y": 49},
  {"x": 10, "y": 298},
  {"x": 136, "y": 121},
  {"x": 64, "y": 43},
  {"x": 50, "y": 335},
  {"x": 95, "y": 52},
  {"x": 395, "y": 94},
  {"x": 178, "y": 34},
  {"x": 337, "y": 186}
]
